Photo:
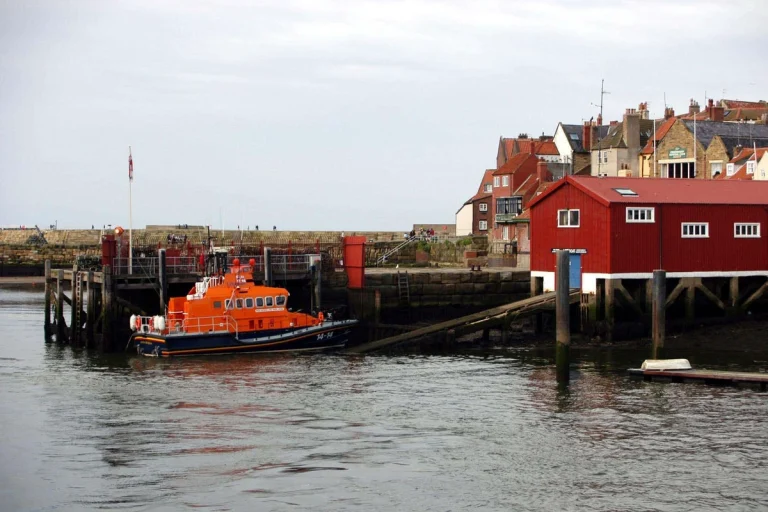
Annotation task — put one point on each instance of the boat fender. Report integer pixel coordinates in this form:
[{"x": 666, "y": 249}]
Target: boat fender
[
  {"x": 320, "y": 317},
  {"x": 151, "y": 323},
  {"x": 160, "y": 323},
  {"x": 133, "y": 323}
]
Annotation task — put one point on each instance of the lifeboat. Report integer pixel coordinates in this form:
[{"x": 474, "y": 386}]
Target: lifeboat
[{"x": 230, "y": 313}]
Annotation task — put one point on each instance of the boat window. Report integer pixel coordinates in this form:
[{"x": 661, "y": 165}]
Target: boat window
[
  {"x": 217, "y": 304},
  {"x": 239, "y": 303},
  {"x": 249, "y": 303},
  {"x": 228, "y": 304},
  {"x": 280, "y": 300},
  {"x": 259, "y": 302},
  {"x": 269, "y": 301}
]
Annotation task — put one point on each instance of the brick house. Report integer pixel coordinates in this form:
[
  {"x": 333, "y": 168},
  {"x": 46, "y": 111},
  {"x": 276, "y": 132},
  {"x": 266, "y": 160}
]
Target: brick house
[
  {"x": 660, "y": 129},
  {"x": 506, "y": 205},
  {"x": 743, "y": 166},
  {"x": 543, "y": 147}
]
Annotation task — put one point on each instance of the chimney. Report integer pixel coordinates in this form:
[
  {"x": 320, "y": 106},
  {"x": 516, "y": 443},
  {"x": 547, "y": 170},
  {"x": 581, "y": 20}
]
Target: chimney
[
  {"x": 586, "y": 136},
  {"x": 542, "y": 172},
  {"x": 599, "y": 119},
  {"x": 631, "y": 128},
  {"x": 693, "y": 108},
  {"x": 613, "y": 123},
  {"x": 717, "y": 114},
  {"x": 669, "y": 113},
  {"x": 533, "y": 146},
  {"x": 643, "y": 110}
]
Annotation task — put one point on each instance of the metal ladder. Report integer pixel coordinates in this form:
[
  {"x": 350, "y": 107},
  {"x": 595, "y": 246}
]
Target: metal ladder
[
  {"x": 76, "y": 294},
  {"x": 403, "y": 288}
]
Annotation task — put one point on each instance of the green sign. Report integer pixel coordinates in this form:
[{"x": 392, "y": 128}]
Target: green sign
[{"x": 677, "y": 152}]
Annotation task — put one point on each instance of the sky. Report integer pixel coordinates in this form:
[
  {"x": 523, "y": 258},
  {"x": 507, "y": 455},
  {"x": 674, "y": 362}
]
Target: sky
[{"x": 335, "y": 115}]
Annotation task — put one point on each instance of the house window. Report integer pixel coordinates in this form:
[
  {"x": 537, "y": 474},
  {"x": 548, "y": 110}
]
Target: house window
[
  {"x": 730, "y": 170},
  {"x": 269, "y": 302},
  {"x": 678, "y": 170},
  {"x": 640, "y": 214},
  {"x": 746, "y": 230},
  {"x": 505, "y": 233},
  {"x": 483, "y": 225},
  {"x": 568, "y": 218},
  {"x": 249, "y": 303},
  {"x": 715, "y": 168},
  {"x": 751, "y": 167},
  {"x": 259, "y": 302},
  {"x": 695, "y": 229},
  {"x": 483, "y": 207},
  {"x": 509, "y": 205},
  {"x": 496, "y": 181},
  {"x": 602, "y": 157},
  {"x": 505, "y": 181},
  {"x": 488, "y": 188}
]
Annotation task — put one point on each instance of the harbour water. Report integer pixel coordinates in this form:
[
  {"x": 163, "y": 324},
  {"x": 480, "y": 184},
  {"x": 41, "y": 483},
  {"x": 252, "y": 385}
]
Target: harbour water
[{"x": 443, "y": 432}]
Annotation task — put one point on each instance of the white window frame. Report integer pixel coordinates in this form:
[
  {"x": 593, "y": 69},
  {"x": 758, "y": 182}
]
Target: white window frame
[
  {"x": 719, "y": 164},
  {"x": 689, "y": 229},
  {"x": 505, "y": 181},
  {"x": 483, "y": 207},
  {"x": 568, "y": 218},
  {"x": 488, "y": 187},
  {"x": 496, "y": 181},
  {"x": 746, "y": 230},
  {"x": 641, "y": 215},
  {"x": 505, "y": 233},
  {"x": 730, "y": 169},
  {"x": 751, "y": 165},
  {"x": 483, "y": 225}
]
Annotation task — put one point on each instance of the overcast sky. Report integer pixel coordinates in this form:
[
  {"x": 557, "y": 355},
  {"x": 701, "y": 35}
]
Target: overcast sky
[{"x": 315, "y": 114}]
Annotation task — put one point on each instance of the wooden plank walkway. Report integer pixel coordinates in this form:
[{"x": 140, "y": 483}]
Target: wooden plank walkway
[
  {"x": 470, "y": 323},
  {"x": 706, "y": 376}
]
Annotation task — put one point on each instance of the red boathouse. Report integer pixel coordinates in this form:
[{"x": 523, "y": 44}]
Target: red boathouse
[{"x": 624, "y": 228}]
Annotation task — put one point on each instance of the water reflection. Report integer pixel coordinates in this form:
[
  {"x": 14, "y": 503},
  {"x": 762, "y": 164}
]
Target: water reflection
[{"x": 451, "y": 432}]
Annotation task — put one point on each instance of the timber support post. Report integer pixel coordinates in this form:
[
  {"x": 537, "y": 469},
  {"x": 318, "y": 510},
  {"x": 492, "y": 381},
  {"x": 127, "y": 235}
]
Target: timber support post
[
  {"x": 79, "y": 335},
  {"x": 537, "y": 288},
  {"x": 563, "y": 313},
  {"x": 47, "y": 321},
  {"x": 73, "y": 328},
  {"x": 734, "y": 308},
  {"x": 659, "y": 311},
  {"x": 90, "y": 312},
  {"x": 61, "y": 328},
  {"x": 610, "y": 309},
  {"x": 162, "y": 279},
  {"x": 106, "y": 309}
]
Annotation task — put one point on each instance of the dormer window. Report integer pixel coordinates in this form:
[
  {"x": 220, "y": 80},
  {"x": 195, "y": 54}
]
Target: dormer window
[
  {"x": 496, "y": 181},
  {"x": 488, "y": 188},
  {"x": 751, "y": 167}
]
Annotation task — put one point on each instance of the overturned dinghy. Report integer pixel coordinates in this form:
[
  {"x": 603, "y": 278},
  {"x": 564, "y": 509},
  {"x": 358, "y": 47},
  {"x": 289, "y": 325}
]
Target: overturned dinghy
[{"x": 661, "y": 365}]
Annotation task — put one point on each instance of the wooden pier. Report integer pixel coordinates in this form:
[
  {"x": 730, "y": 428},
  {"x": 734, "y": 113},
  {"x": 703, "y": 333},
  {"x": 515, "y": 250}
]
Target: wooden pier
[
  {"x": 713, "y": 377},
  {"x": 450, "y": 330}
]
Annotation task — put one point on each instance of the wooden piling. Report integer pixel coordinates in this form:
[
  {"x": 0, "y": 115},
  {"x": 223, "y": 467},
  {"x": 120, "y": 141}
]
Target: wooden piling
[
  {"x": 61, "y": 326},
  {"x": 537, "y": 288},
  {"x": 79, "y": 336},
  {"x": 107, "y": 308},
  {"x": 690, "y": 300},
  {"x": 73, "y": 307},
  {"x": 610, "y": 308},
  {"x": 659, "y": 308},
  {"x": 47, "y": 321},
  {"x": 733, "y": 297},
  {"x": 563, "y": 314},
  {"x": 162, "y": 279},
  {"x": 90, "y": 313}
]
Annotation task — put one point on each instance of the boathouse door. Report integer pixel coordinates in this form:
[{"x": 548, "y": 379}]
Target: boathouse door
[{"x": 574, "y": 279}]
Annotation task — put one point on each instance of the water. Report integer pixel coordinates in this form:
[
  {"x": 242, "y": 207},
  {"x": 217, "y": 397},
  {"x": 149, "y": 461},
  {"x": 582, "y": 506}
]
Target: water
[{"x": 335, "y": 433}]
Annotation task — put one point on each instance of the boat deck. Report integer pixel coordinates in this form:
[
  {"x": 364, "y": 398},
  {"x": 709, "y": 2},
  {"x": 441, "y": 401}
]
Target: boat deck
[{"x": 706, "y": 376}]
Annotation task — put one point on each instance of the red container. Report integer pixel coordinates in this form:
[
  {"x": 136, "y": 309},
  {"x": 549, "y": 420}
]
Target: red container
[
  {"x": 108, "y": 249},
  {"x": 354, "y": 261}
]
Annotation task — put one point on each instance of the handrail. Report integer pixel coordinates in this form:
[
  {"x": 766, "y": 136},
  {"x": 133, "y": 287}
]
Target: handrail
[{"x": 383, "y": 257}]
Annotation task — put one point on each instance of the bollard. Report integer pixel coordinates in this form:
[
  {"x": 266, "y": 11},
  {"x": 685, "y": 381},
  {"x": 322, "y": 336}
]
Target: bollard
[
  {"x": 659, "y": 311},
  {"x": 562, "y": 307}
]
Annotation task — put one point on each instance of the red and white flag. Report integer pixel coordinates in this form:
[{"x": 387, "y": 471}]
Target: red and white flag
[{"x": 130, "y": 165}]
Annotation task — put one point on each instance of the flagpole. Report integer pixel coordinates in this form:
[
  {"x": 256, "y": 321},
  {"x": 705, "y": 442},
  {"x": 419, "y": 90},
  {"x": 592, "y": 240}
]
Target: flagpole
[
  {"x": 654, "y": 148},
  {"x": 695, "y": 171},
  {"x": 130, "y": 211}
]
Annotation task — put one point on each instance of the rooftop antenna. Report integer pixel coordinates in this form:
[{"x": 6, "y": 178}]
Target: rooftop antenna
[{"x": 603, "y": 92}]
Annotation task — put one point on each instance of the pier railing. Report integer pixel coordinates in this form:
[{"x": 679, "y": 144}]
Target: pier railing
[{"x": 186, "y": 265}]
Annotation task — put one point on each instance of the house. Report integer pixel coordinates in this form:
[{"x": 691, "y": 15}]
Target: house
[
  {"x": 647, "y": 163},
  {"x": 617, "y": 154},
  {"x": 723, "y": 149},
  {"x": 734, "y": 112},
  {"x": 743, "y": 165},
  {"x": 624, "y": 228},
  {"x": 574, "y": 143},
  {"x": 475, "y": 214},
  {"x": 543, "y": 147},
  {"x": 506, "y": 205}
]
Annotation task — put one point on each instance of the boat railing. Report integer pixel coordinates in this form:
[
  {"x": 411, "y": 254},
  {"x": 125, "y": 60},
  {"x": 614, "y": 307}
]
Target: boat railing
[
  {"x": 281, "y": 263},
  {"x": 205, "y": 324}
]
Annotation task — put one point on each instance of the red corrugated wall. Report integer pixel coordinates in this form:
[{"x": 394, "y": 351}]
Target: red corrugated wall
[
  {"x": 592, "y": 235},
  {"x": 635, "y": 246}
]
